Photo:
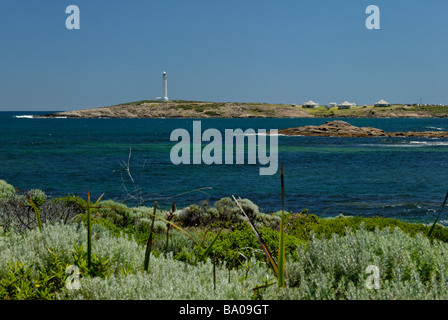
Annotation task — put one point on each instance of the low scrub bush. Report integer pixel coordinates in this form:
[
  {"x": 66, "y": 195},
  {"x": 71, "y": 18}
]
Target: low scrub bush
[
  {"x": 7, "y": 191},
  {"x": 235, "y": 247},
  {"x": 16, "y": 213},
  {"x": 20, "y": 282},
  {"x": 169, "y": 279},
  {"x": 326, "y": 258},
  {"x": 119, "y": 269},
  {"x": 37, "y": 196},
  {"x": 226, "y": 213},
  {"x": 119, "y": 218},
  {"x": 409, "y": 267},
  {"x": 118, "y": 213},
  {"x": 67, "y": 243},
  {"x": 303, "y": 226},
  {"x": 77, "y": 203},
  {"x": 99, "y": 266}
]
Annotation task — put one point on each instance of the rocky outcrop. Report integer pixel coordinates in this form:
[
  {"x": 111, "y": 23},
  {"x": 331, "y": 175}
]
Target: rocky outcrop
[
  {"x": 339, "y": 128},
  {"x": 198, "y": 109},
  {"x": 187, "y": 110}
]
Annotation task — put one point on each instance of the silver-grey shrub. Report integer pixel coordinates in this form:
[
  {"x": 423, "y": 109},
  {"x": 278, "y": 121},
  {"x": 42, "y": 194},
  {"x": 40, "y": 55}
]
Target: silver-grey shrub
[
  {"x": 6, "y": 190},
  {"x": 166, "y": 279},
  {"x": 410, "y": 267},
  {"x": 32, "y": 247},
  {"x": 169, "y": 279}
]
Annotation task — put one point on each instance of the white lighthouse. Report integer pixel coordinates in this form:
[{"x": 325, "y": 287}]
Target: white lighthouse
[{"x": 165, "y": 87}]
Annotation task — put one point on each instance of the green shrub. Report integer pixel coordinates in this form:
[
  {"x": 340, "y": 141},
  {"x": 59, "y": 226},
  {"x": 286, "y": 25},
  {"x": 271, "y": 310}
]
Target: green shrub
[
  {"x": 99, "y": 224},
  {"x": 178, "y": 244},
  {"x": 100, "y": 267},
  {"x": 234, "y": 247},
  {"x": 303, "y": 225},
  {"x": 75, "y": 202},
  {"x": 32, "y": 281},
  {"x": 19, "y": 283},
  {"x": 121, "y": 220},
  {"x": 37, "y": 196},
  {"x": 118, "y": 213}
]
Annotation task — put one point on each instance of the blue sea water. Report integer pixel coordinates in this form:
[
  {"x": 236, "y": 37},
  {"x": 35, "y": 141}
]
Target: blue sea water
[{"x": 404, "y": 178}]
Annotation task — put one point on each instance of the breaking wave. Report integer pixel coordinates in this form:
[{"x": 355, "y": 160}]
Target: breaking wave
[{"x": 24, "y": 117}]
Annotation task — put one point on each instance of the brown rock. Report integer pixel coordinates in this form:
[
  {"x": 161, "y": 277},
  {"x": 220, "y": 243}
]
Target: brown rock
[{"x": 339, "y": 128}]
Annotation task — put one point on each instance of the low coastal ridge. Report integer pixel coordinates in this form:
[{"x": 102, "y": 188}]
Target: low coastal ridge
[
  {"x": 197, "y": 109},
  {"x": 187, "y": 109}
]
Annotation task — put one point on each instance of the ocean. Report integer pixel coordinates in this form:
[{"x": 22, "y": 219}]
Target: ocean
[{"x": 404, "y": 178}]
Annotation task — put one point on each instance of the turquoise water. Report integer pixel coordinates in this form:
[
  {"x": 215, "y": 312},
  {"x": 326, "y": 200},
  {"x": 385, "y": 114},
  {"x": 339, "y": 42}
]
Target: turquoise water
[{"x": 405, "y": 178}]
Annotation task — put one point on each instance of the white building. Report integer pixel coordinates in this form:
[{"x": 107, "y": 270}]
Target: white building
[
  {"x": 347, "y": 105},
  {"x": 382, "y": 103},
  {"x": 332, "y": 105},
  {"x": 310, "y": 104}
]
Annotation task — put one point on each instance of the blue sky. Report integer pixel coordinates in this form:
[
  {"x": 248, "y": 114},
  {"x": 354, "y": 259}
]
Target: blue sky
[{"x": 221, "y": 50}]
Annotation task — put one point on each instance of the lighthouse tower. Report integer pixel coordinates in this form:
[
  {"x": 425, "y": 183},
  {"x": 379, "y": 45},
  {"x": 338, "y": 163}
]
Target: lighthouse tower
[{"x": 165, "y": 87}]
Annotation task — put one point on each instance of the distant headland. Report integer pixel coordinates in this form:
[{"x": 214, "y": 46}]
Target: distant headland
[{"x": 199, "y": 109}]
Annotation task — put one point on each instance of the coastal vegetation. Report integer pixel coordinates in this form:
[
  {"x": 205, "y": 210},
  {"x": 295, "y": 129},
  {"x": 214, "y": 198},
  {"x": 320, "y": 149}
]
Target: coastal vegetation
[
  {"x": 433, "y": 110},
  {"x": 392, "y": 111},
  {"x": 224, "y": 250},
  {"x": 369, "y": 111},
  {"x": 198, "y": 107}
]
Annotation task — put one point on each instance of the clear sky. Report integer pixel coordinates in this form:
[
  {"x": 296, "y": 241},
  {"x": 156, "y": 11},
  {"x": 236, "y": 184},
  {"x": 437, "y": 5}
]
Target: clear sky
[{"x": 283, "y": 51}]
